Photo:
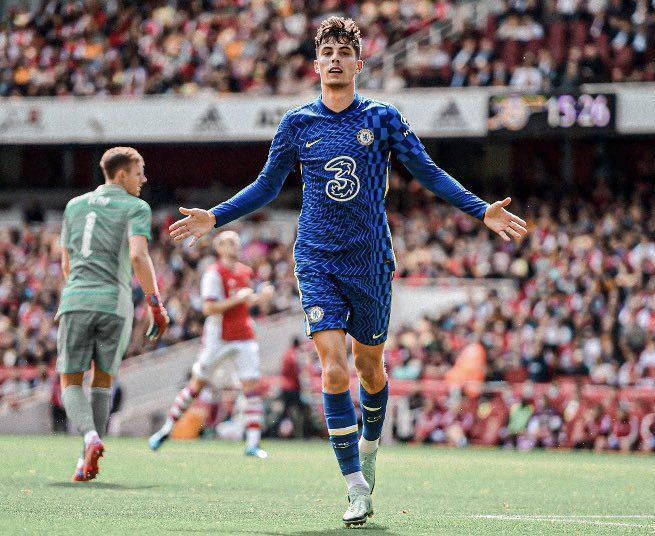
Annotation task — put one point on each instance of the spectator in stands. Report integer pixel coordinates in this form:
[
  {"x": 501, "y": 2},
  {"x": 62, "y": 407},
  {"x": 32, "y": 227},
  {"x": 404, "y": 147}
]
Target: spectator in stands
[
  {"x": 624, "y": 431},
  {"x": 527, "y": 77},
  {"x": 293, "y": 375},
  {"x": 647, "y": 432},
  {"x": 427, "y": 427},
  {"x": 182, "y": 48},
  {"x": 586, "y": 428},
  {"x": 520, "y": 413},
  {"x": 13, "y": 389}
]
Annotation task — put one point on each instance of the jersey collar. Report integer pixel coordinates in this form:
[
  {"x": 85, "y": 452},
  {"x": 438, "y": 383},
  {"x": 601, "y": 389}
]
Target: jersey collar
[
  {"x": 110, "y": 188},
  {"x": 354, "y": 104}
]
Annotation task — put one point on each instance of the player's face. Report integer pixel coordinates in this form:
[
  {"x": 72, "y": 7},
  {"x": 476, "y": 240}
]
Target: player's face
[
  {"x": 133, "y": 179},
  {"x": 227, "y": 247},
  {"x": 337, "y": 64}
]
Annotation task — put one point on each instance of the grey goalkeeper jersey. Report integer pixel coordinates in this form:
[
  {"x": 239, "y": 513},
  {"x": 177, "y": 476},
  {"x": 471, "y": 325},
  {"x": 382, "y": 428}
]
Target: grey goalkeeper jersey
[{"x": 95, "y": 231}]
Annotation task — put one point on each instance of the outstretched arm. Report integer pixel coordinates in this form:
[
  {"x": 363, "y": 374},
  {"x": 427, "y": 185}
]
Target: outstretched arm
[
  {"x": 199, "y": 222},
  {"x": 410, "y": 151},
  {"x": 281, "y": 159}
]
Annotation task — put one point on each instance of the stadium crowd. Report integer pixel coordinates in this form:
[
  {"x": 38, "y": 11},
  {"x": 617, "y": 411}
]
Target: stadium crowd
[
  {"x": 585, "y": 305},
  {"x": 212, "y": 47},
  {"x": 184, "y": 47},
  {"x": 538, "y": 45},
  {"x": 559, "y": 416}
]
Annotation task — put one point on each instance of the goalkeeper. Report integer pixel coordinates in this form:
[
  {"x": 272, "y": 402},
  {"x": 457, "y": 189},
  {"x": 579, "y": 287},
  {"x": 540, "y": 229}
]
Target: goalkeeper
[{"x": 104, "y": 235}]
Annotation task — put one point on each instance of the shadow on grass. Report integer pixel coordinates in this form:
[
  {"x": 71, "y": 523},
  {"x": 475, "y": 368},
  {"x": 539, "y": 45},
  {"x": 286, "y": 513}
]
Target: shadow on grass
[
  {"x": 369, "y": 528},
  {"x": 97, "y": 485}
]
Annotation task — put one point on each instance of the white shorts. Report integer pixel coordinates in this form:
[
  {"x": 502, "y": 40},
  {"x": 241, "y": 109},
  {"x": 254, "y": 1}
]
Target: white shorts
[{"x": 243, "y": 354}]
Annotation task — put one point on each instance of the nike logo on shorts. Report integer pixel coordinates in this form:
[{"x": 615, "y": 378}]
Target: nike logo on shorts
[
  {"x": 378, "y": 335},
  {"x": 310, "y": 143}
]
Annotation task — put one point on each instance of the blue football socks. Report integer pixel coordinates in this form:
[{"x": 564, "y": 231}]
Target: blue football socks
[
  {"x": 374, "y": 406},
  {"x": 341, "y": 422}
]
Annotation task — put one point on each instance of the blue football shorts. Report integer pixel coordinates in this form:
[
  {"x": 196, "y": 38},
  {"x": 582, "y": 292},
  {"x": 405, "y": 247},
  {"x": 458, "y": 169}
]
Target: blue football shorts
[{"x": 360, "y": 305}]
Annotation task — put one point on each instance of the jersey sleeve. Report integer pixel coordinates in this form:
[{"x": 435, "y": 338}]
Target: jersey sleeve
[
  {"x": 281, "y": 160},
  {"x": 406, "y": 146},
  {"x": 140, "y": 220},
  {"x": 211, "y": 286}
]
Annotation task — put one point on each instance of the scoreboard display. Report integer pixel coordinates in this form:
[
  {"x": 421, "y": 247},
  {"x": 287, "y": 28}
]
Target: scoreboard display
[{"x": 543, "y": 114}]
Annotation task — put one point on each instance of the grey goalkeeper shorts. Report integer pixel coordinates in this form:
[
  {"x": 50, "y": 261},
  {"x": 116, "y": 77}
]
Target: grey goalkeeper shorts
[{"x": 86, "y": 336}]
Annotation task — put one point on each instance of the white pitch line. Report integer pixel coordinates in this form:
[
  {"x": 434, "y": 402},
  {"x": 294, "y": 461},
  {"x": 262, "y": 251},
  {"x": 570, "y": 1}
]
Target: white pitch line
[
  {"x": 573, "y": 516},
  {"x": 566, "y": 520}
]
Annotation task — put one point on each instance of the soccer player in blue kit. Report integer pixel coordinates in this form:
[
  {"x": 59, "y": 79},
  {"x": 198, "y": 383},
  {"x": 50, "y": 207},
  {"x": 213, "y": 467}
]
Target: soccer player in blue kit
[{"x": 344, "y": 257}]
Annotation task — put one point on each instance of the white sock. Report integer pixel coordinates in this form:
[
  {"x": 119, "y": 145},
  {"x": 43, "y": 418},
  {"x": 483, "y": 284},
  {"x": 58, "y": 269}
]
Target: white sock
[
  {"x": 368, "y": 447},
  {"x": 253, "y": 436},
  {"x": 90, "y": 436},
  {"x": 355, "y": 479}
]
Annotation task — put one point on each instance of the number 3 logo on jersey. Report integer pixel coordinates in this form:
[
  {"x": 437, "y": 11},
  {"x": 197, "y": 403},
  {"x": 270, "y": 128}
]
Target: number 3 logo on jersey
[{"x": 345, "y": 184}]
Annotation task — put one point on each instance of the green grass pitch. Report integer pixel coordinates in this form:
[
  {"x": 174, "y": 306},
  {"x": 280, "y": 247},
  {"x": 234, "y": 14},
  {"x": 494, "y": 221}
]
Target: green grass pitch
[{"x": 210, "y": 487}]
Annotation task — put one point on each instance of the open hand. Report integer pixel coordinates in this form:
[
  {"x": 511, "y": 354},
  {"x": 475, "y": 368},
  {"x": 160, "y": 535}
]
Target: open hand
[
  {"x": 198, "y": 222},
  {"x": 504, "y": 222}
]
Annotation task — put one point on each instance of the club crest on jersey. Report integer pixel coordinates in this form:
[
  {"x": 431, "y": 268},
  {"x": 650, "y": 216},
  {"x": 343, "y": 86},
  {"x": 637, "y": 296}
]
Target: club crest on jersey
[
  {"x": 315, "y": 314},
  {"x": 345, "y": 184},
  {"x": 365, "y": 137}
]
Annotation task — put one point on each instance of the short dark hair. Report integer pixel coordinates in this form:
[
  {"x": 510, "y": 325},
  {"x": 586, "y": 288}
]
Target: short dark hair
[
  {"x": 341, "y": 30},
  {"x": 118, "y": 158}
]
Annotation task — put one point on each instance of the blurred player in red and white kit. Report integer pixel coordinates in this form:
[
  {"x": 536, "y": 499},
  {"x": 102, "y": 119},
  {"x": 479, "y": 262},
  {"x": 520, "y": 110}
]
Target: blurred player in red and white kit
[{"x": 228, "y": 335}]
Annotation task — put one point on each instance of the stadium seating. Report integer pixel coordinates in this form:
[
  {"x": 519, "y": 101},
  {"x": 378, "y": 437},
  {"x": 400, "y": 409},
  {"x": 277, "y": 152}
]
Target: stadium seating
[{"x": 216, "y": 47}]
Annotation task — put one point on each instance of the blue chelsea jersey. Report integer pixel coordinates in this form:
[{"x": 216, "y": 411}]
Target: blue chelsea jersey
[{"x": 344, "y": 159}]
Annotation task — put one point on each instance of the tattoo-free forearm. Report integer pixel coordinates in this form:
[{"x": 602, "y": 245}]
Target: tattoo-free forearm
[{"x": 145, "y": 273}]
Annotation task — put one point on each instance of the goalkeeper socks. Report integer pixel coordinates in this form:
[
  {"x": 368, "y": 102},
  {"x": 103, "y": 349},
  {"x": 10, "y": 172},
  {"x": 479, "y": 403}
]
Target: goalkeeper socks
[
  {"x": 342, "y": 426},
  {"x": 78, "y": 409},
  {"x": 374, "y": 407},
  {"x": 101, "y": 406}
]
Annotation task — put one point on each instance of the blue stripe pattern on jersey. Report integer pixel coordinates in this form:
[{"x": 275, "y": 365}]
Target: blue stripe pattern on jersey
[{"x": 344, "y": 159}]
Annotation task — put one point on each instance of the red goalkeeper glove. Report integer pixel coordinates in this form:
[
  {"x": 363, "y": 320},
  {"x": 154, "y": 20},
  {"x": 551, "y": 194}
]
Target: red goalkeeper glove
[{"x": 158, "y": 318}]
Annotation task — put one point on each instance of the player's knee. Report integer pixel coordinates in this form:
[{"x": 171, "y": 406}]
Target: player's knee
[
  {"x": 197, "y": 384},
  {"x": 370, "y": 372},
  {"x": 335, "y": 378},
  {"x": 71, "y": 379},
  {"x": 101, "y": 379},
  {"x": 251, "y": 386}
]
